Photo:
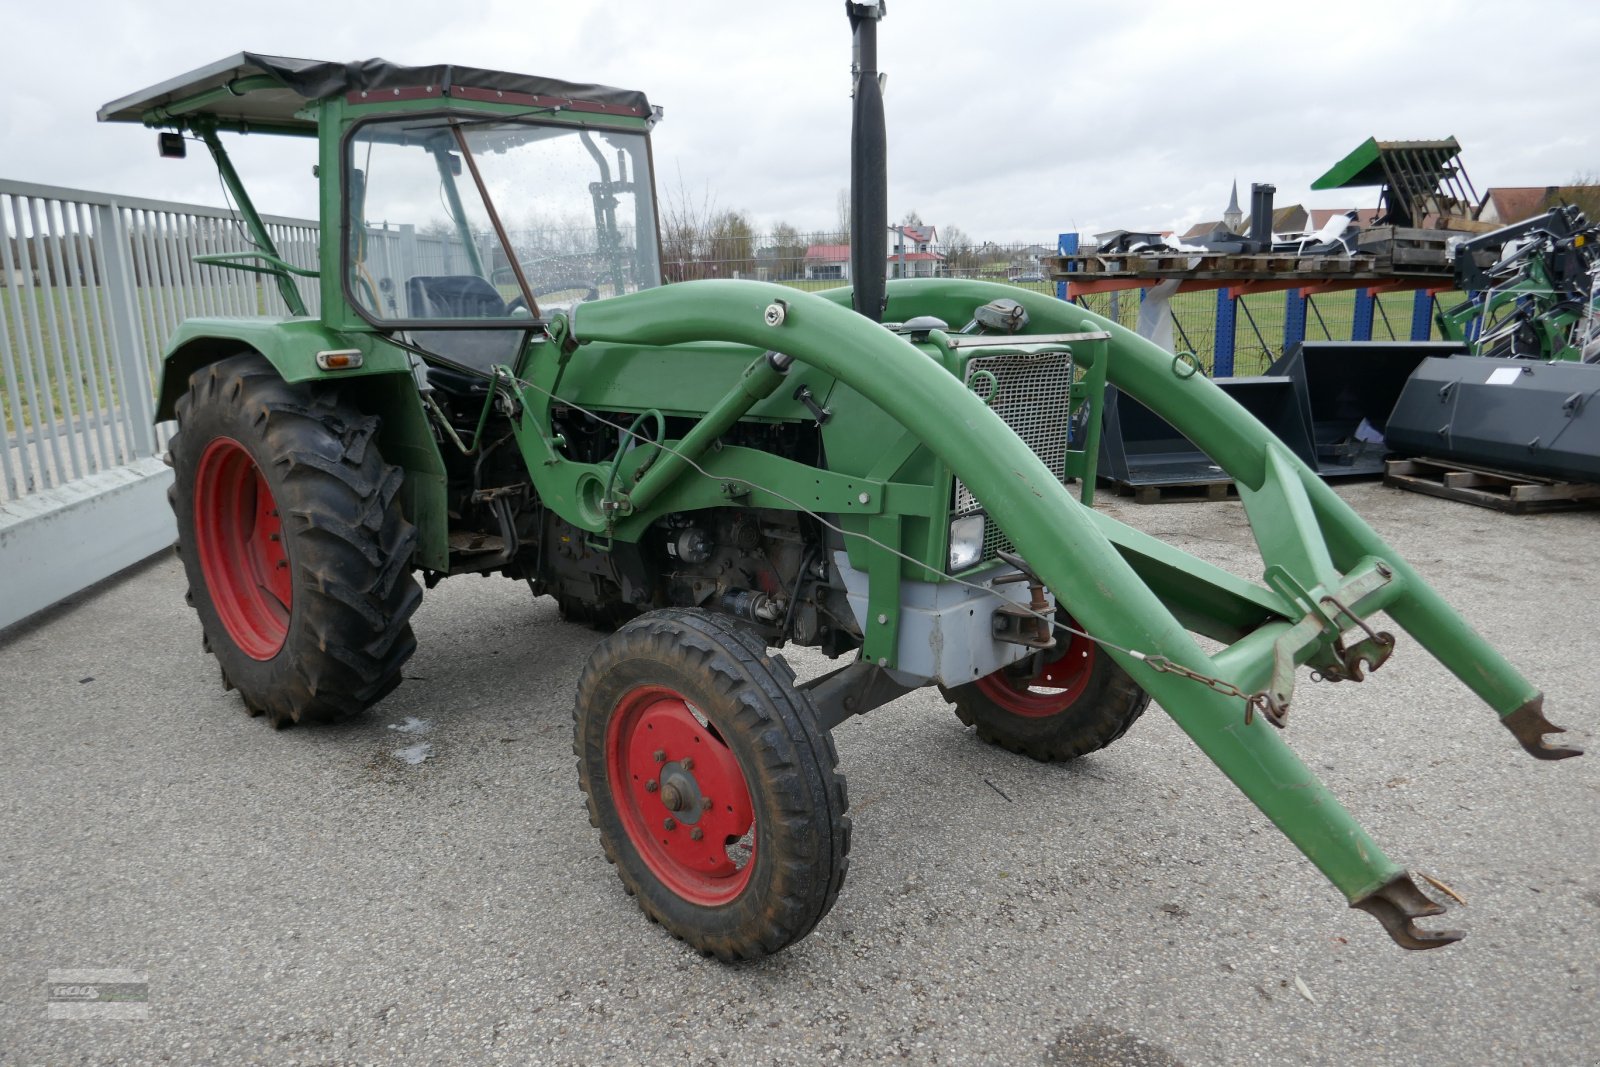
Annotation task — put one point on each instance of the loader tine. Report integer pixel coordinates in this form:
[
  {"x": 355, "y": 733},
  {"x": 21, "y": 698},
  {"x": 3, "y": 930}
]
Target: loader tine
[
  {"x": 1396, "y": 904},
  {"x": 1528, "y": 725}
]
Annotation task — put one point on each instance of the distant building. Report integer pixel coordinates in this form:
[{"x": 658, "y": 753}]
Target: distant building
[
  {"x": 1290, "y": 219},
  {"x": 1232, "y": 217},
  {"x": 914, "y": 252},
  {"x": 1366, "y": 217},
  {"x": 1505, "y": 204},
  {"x": 827, "y": 263}
]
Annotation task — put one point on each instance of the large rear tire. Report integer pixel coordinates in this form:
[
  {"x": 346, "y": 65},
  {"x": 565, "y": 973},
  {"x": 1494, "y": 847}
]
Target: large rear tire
[
  {"x": 711, "y": 783},
  {"x": 1055, "y": 705},
  {"x": 297, "y": 553}
]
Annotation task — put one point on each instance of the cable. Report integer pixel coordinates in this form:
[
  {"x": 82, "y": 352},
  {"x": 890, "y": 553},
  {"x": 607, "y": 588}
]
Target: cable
[{"x": 987, "y": 591}]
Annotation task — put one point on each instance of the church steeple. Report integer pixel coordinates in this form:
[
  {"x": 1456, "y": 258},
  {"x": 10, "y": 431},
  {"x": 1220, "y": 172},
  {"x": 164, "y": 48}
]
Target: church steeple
[{"x": 1233, "y": 216}]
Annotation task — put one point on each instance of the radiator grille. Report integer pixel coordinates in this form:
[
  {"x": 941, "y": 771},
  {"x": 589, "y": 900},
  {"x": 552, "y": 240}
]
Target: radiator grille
[{"x": 1033, "y": 395}]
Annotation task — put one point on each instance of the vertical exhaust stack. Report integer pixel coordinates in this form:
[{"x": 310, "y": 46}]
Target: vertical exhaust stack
[
  {"x": 869, "y": 170},
  {"x": 1261, "y": 215}
]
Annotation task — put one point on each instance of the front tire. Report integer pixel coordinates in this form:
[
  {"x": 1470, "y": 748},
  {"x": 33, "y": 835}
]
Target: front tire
[
  {"x": 1055, "y": 705},
  {"x": 297, "y": 553},
  {"x": 711, "y": 784}
]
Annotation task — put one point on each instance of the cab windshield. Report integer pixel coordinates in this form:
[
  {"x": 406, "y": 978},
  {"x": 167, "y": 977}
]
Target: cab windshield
[{"x": 463, "y": 220}]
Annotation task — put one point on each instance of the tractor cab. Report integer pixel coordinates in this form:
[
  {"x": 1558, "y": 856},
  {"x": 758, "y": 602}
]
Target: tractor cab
[{"x": 471, "y": 203}]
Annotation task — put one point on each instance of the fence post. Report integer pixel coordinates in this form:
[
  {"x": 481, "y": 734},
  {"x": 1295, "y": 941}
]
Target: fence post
[
  {"x": 1361, "y": 324},
  {"x": 1421, "y": 315},
  {"x": 1294, "y": 318},
  {"x": 135, "y": 389},
  {"x": 1222, "y": 342}
]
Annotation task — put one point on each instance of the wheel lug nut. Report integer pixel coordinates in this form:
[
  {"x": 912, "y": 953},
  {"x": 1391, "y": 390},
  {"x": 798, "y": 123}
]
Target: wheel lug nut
[
  {"x": 688, "y": 763},
  {"x": 696, "y": 834},
  {"x": 651, "y": 786},
  {"x": 661, "y": 755},
  {"x": 669, "y": 823}
]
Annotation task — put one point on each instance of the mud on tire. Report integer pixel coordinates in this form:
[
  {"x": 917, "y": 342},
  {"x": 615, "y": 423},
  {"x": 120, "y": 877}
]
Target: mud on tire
[{"x": 297, "y": 553}]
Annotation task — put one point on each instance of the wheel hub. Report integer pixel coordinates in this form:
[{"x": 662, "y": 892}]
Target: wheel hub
[
  {"x": 682, "y": 796},
  {"x": 680, "y": 793}
]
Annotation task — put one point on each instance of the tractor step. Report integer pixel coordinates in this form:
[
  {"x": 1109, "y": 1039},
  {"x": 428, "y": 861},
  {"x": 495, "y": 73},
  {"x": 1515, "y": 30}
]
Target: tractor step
[
  {"x": 472, "y": 541},
  {"x": 1509, "y": 491}
]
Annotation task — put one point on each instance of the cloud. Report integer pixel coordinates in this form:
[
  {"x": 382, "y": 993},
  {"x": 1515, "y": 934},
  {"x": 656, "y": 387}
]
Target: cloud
[{"x": 1013, "y": 121}]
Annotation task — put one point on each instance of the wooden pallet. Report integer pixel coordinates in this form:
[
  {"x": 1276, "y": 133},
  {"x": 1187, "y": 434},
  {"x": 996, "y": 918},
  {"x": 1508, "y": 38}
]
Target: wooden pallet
[
  {"x": 1202, "y": 266},
  {"x": 1176, "y": 492},
  {"x": 1488, "y": 488}
]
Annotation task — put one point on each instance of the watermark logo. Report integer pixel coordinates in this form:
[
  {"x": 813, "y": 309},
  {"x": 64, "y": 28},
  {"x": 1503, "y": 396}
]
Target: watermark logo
[{"x": 97, "y": 993}]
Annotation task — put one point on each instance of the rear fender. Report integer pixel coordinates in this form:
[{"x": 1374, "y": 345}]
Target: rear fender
[
  {"x": 381, "y": 386},
  {"x": 290, "y": 345}
]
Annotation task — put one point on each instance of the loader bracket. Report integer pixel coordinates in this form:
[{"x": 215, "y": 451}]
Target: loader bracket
[
  {"x": 1396, "y": 904},
  {"x": 1528, "y": 725}
]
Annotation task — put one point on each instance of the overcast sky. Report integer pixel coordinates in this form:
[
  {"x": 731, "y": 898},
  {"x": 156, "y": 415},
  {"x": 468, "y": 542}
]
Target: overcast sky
[{"x": 1013, "y": 121}]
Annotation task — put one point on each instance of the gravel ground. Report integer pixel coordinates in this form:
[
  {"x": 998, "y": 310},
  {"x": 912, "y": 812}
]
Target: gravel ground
[{"x": 310, "y": 896}]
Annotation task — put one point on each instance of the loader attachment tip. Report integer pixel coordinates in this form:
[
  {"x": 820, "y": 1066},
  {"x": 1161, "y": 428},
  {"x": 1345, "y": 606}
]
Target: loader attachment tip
[
  {"x": 1528, "y": 725},
  {"x": 1396, "y": 904}
]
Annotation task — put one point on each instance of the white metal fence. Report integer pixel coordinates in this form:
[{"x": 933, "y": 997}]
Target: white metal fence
[{"x": 91, "y": 287}]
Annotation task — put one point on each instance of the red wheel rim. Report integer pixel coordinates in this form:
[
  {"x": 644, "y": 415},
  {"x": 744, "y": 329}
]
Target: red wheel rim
[
  {"x": 681, "y": 795},
  {"x": 1060, "y": 680},
  {"x": 240, "y": 540}
]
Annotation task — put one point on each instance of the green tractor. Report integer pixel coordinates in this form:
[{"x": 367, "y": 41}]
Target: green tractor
[{"x": 495, "y": 381}]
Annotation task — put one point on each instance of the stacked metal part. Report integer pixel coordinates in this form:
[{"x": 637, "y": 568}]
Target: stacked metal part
[{"x": 1521, "y": 401}]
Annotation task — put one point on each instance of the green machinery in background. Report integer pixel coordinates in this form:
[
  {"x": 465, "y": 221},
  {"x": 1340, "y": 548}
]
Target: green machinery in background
[
  {"x": 494, "y": 381},
  {"x": 1521, "y": 400},
  {"x": 1537, "y": 299}
]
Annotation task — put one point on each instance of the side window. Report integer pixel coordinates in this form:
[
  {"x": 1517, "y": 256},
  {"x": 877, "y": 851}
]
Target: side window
[{"x": 416, "y": 249}]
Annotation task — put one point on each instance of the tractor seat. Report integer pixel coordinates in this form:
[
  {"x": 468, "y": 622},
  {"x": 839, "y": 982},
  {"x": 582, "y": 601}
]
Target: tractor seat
[
  {"x": 460, "y": 296},
  {"x": 453, "y": 296}
]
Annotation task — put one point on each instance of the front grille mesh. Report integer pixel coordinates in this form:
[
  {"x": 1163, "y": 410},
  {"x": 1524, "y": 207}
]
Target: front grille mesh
[{"x": 1033, "y": 395}]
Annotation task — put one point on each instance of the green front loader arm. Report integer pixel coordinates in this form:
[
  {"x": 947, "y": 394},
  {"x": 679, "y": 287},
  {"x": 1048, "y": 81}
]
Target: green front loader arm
[{"x": 1324, "y": 566}]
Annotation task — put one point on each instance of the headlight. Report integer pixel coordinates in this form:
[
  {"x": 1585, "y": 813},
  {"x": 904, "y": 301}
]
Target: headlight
[{"x": 966, "y": 542}]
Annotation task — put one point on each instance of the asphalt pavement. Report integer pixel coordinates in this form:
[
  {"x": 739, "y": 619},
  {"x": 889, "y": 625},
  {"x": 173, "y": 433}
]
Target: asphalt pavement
[{"x": 423, "y": 886}]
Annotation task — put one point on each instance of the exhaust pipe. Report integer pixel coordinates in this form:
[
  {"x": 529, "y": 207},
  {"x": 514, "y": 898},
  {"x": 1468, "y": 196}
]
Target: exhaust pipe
[
  {"x": 869, "y": 170},
  {"x": 1261, "y": 215}
]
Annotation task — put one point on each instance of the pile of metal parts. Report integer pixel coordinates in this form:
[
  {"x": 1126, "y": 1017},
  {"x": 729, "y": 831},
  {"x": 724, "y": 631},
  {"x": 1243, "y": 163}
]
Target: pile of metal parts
[
  {"x": 1519, "y": 401},
  {"x": 1536, "y": 301}
]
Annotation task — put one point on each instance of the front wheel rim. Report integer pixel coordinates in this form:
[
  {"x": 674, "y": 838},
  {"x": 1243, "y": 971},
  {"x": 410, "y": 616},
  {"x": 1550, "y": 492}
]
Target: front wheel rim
[
  {"x": 239, "y": 537},
  {"x": 681, "y": 795},
  {"x": 1056, "y": 686}
]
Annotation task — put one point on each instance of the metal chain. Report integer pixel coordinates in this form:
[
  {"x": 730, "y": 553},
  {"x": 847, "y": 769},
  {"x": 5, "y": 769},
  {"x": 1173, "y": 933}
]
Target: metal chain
[{"x": 1271, "y": 709}]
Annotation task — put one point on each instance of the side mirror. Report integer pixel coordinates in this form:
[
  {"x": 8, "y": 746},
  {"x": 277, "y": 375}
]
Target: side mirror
[{"x": 172, "y": 145}]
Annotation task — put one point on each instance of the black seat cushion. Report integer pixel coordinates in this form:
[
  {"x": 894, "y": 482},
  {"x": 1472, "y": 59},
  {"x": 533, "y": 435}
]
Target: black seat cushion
[{"x": 453, "y": 296}]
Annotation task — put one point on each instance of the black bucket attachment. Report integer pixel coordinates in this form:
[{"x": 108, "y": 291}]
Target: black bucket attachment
[
  {"x": 1512, "y": 414},
  {"x": 1347, "y": 390},
  {"x": 1140, "y": 448}
]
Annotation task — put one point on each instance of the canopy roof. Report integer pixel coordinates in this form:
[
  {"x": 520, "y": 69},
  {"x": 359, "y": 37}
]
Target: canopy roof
[{"x": 253, "y": 90}]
